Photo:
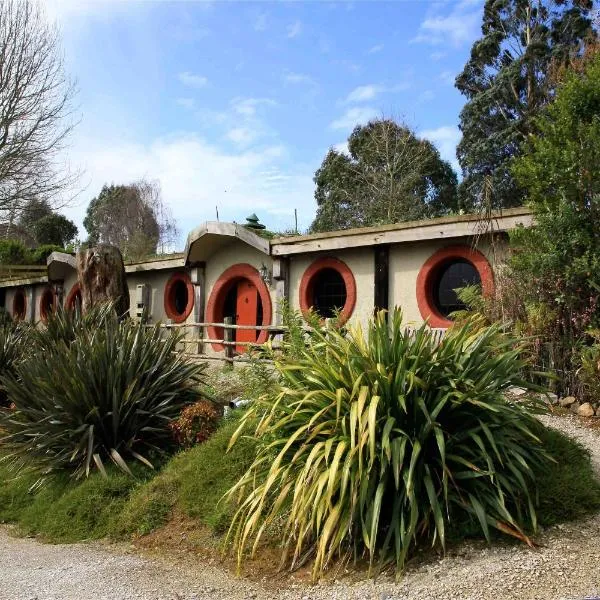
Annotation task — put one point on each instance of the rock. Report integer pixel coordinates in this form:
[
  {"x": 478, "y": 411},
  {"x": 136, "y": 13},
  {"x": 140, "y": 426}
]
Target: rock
[
  {"x": 585, "y": 410},
  {"x": 568, "y": 401},
  {"x": 574, "y": 407},
  {"x": 516, "y": 391}
]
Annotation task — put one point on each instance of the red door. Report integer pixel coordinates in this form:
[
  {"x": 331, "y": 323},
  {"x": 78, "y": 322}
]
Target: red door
[{"x": 246, "y": 313}]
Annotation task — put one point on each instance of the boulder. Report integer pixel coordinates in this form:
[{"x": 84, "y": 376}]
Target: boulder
[
  {"x": 574, "y": 407},
  {"x": 585, "y": 410},
  {"x": 568, "y": 401}
]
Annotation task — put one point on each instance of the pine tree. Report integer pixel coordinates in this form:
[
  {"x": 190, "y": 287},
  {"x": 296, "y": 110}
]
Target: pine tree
[{"x": 507, "y": 80}]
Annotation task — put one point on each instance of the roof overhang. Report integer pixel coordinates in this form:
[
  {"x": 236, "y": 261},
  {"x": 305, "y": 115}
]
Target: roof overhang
[
  {"x": 60, "y": 266},
  {"x": 414, "y": 231},
  {"x": 210, "y": 237}
]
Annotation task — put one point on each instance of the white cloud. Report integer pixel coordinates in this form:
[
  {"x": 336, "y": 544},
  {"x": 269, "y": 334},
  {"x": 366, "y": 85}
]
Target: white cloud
[
  {"x": 364, "y": 93},
  {"x": 195, "y": 176},
  {"x": 437, "y": 56},
  {"x": 426, "y": 96},
  {"x": 375, "y": 49},
  {"x": 249, "y": 106},
  {"x": 298, "y": 78},
  {"x": 186, "y": 102},
  {"x": 294, "y": 30},
  {"x": 242, "y": 136},
  {"x": 354, "y": 116},
  {"x": 192, "y": 80},
  {"x": 261, "y": 22},
  {"x": 446, "y": 139},
  {"x": 342, "y": 148},
  {"x": 457, "y": 27}
]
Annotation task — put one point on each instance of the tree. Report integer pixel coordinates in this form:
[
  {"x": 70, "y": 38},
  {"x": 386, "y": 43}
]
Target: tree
[
  {"x": 507, "y": 81},
  {"x": 132, "y": 217},
  {"x": 557, "y": 262},
  {"x": 389, "y": 175},
  {"x": 54, "y": 229},
  {"x": 33, "y": 211},
  {"x": 35, "y": 109}
]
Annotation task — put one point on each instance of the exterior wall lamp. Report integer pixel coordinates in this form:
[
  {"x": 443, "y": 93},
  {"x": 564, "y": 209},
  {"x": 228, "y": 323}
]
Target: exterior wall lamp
[{"x": 265, "y": 274}]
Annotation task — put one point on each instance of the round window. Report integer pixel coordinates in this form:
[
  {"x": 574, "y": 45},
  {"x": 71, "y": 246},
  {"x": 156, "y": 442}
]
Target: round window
[
  {"x": 328, "y": 287},
  {"x": 442, "y": 274},
  {"x": 452, "y": 276},
  {"x": 329, "y": 293},
  {"x": 46, "y": 304},
  {"x": 19, "y": 305},
  {"x": 74, "y": 300},
  {"x": 179, "y": 297}
]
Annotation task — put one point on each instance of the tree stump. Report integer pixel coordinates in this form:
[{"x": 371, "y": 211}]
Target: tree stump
[{"x": 101, "y": 277}]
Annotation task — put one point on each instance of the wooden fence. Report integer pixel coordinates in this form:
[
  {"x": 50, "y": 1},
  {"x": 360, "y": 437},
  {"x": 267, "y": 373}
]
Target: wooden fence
[{"x": 198, "y": 338}]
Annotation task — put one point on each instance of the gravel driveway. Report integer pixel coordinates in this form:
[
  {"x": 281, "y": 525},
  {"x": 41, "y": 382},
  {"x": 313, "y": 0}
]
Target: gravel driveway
[{"x": 567, "y": 565}]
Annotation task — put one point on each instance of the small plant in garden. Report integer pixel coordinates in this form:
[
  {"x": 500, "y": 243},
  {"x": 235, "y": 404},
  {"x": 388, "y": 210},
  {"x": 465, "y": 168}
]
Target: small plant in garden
[
  {"x": 196, "y": 423},
  {"x": 108, "y": 394},
  {"x": 375, "y": 444},
  {"x": 13, "y": 344}
]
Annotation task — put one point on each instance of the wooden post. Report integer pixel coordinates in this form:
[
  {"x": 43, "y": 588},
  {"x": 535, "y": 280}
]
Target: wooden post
[
  {"x": 197, "y": 275},
  {"x": 382, "y": 277},
  {"x": 228, "y": 337},
  {"x": 281, "y": 275}
]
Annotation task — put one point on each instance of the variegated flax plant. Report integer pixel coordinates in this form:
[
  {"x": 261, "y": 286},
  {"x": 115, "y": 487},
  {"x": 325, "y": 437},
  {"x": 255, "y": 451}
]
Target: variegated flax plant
[
  {"x": 99, "y": 391},
  {"x": 375, "y": 443}
]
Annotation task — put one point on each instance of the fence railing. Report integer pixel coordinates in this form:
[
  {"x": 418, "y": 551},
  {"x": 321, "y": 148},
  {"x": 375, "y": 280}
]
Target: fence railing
[{"x": 229, "y": 353}]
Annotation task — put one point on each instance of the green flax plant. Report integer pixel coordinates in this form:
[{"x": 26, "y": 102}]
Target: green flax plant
[
  {"x": 99, "y": 390},
  {"x": 375, "y": 444}
]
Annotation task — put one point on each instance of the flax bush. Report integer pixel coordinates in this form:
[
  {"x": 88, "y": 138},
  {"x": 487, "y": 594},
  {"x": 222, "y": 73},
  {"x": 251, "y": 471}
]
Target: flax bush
[
  {"x": 375, "y": 444},
  {"x": 100, "y": 390}
]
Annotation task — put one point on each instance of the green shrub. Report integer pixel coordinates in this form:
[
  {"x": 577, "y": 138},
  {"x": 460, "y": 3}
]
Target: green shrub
[
  {"x": 13, "y": 252},
  {"x": 38, "y": 255},
  {"x": 109, "y": 394},
  {"x": 13, "y": 344},
  {"x": 568, "y": 487},
  {"x": 374, "y": 445}
]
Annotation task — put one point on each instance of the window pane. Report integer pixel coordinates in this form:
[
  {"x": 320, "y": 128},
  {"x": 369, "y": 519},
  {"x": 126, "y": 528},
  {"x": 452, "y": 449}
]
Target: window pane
[
  {"x": 329, "y": 293},
  {"x": 456, "y": 274}
]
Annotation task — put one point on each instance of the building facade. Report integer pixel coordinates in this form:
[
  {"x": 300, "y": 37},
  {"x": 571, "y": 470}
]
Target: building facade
[{"x": 228, "y": 273}]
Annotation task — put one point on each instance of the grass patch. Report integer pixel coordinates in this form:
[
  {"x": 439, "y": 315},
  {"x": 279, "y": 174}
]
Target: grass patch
[
  {"x": 192, "y": 482},
  {"x": 568, "y": 489}
]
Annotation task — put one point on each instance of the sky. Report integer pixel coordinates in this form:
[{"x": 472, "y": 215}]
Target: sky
[{"x": 233, "y": 105}]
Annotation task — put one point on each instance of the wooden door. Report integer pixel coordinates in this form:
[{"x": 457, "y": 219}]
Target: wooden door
[{"x": 246, "y": 313}]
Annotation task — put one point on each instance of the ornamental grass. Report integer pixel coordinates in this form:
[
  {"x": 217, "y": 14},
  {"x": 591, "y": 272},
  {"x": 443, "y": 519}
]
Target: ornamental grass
[
  {"x": 99, "y": 390},
  {"x": 376, "y": 444}
]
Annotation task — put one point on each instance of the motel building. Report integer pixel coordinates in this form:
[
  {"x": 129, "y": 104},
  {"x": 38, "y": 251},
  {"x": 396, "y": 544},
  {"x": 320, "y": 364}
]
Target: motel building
[{"x": 230, "y": 274}]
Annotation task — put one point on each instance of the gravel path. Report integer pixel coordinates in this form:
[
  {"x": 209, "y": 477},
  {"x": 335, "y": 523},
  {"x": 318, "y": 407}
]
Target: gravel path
[{"x": 567, "y": 565}]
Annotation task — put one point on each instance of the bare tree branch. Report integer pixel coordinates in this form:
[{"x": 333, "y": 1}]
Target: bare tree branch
[{"x": 35, "y": 109}]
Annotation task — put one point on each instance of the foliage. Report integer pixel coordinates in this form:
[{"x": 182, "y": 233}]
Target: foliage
[
  {"x": 388, "y": 175},
  {"x": 375, "y": 445},
  {"x": 41, "y": 253},
  {"x": 120, "y": 385},
  {"x": 13, "y": 345},
  {"x": 55, "y": 230},
  {"x": 589, "y": 371},
  {"x": 13, "y": 252},
  {"x": 507, "y": 81},
  {"x": 132, "y": 217},
  {"x": 196, "y": 423},
  {"x": 555, "y": 263},
  {"x": 568, "y": 486},
  {"x": 193, "y": 483}
]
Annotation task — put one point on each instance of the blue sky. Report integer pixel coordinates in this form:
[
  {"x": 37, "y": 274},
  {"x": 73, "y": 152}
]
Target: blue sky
[{"x": 235, "y": 104}]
